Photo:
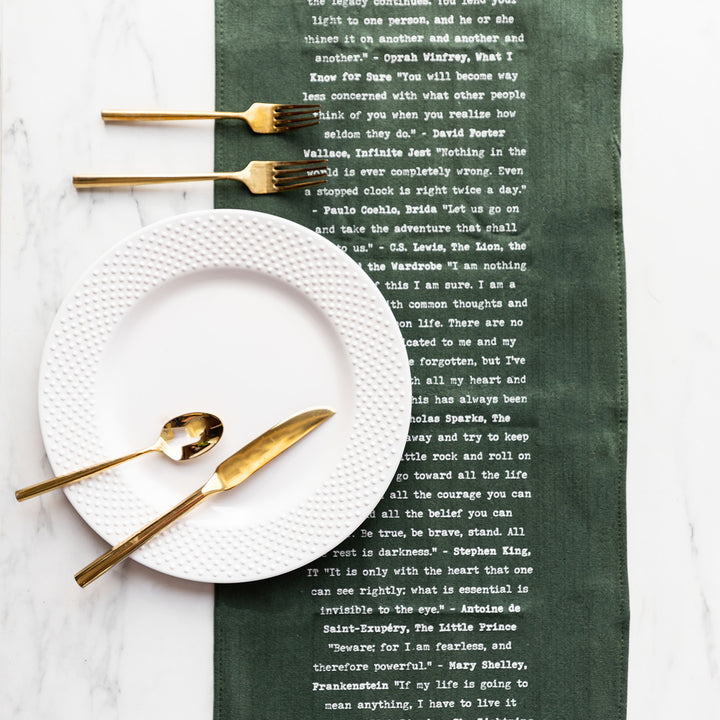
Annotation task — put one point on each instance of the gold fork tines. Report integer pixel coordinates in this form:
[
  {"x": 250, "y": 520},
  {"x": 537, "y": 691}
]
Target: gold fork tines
[
  {"x": 261, "y": 177},
  {"x": 262, "y": 118},
  {"x": 296, "y": 174},
  {"x": 292, "y": 117}
]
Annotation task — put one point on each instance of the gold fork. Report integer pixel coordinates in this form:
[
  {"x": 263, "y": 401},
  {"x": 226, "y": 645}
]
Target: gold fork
[
  {"x": 261, "y": 117},
  {"x": 261, "y": 177}
]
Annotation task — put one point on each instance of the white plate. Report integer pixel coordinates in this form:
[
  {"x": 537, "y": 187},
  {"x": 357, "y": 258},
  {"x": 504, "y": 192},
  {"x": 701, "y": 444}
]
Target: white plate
[{"x": 253, "y": 318}]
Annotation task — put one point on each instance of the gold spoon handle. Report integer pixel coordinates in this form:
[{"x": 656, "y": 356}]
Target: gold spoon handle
[
  {"x": 113, "y": 556},
  {"x": 61, "y": 480}
]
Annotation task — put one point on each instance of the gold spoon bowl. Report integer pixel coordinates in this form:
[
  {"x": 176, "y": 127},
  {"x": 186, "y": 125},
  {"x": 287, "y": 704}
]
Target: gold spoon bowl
[{"x": 182, "y": 438}]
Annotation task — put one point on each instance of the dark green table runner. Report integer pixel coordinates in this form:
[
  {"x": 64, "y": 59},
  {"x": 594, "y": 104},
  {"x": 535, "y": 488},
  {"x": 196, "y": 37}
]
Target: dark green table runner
[{"x": 474, "y": 147}]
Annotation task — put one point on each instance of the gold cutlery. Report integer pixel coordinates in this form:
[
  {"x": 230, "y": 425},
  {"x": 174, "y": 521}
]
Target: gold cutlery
[
  {"x": 181, "y": 438},
  {"x": 261, "y": 177},
  {"x": 261, "y": 117},
  {"x": 229, "y": 474}
]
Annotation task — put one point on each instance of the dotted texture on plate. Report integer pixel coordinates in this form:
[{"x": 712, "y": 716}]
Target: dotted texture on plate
[{"x": 311, "y": 265}]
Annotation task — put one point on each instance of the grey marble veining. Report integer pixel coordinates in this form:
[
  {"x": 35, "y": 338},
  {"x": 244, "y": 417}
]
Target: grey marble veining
[{"x": 139, "y": 644}]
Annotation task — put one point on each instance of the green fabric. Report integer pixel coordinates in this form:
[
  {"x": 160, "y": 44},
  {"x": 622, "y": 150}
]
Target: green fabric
[{"x": 554, "y": 248}]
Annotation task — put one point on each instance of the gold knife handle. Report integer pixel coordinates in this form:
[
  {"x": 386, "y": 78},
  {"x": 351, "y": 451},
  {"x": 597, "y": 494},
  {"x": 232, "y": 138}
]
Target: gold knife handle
[
  {"x": 113, "y": 556},
  {"x": 62, "y": 480},
  {"x": 152, "y": 115}
]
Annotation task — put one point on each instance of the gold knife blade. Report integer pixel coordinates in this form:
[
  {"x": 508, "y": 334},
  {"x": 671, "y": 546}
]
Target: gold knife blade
[
  {"x": 260, "y": 451},
  {"x": 229, "y": 474}
]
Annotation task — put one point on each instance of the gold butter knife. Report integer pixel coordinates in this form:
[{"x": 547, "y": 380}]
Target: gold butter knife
[{"x": 229, "y": 474}]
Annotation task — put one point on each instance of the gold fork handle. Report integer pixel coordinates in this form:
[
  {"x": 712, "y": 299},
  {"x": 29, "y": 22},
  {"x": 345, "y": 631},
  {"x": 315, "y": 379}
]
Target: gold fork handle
[
  {"x": 86, "y": 181},
  {"x": 113, "y": 556},
  {"x": 151, "y": 115},
  {"x": 62, "y": 480}
]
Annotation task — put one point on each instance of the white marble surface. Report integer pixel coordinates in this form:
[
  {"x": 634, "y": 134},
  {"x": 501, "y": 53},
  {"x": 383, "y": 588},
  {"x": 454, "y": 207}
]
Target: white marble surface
[
  {"x": 671, "y": 151},
  {"x": 139, "y": 645}
]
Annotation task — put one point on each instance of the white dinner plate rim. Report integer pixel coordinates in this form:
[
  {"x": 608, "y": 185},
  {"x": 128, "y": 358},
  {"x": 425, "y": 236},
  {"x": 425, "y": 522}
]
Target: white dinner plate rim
[{"x": 385, "y": 387}]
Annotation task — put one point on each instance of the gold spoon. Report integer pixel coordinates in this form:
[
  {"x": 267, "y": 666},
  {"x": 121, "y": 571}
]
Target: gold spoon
[{"x": 181, "y": 438}]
